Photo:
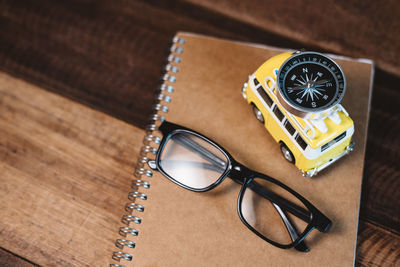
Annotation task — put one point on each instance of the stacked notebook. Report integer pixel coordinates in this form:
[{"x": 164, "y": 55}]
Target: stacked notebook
[{"x": 202, "y": 91}]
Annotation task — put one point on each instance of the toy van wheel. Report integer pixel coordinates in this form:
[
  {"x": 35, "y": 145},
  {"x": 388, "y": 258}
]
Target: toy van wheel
[
  {"x": 287, "y": 154},
  {"x": 258, "y": 114}
]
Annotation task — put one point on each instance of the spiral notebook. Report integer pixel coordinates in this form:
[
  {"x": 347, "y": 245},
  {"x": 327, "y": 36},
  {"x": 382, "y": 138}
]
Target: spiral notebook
[{"x": 201, "y": 89}]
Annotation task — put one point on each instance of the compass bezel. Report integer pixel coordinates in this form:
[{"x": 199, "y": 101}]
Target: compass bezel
[{"x": 297, "y": 109}]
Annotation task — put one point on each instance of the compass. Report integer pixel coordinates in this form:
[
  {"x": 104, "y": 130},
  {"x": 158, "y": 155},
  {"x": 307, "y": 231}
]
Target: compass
[{"x": 310, "y": 82}]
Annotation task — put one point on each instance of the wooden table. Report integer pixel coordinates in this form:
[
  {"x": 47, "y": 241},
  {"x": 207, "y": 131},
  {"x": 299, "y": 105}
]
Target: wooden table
[{"x": 83, "y": 78}]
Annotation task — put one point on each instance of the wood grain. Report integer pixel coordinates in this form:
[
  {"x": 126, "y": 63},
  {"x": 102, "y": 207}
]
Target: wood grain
[
  {"x": 381, "y": 195},
  {"x": 367, "y": 29},
  {"x": 377, "y": 246},
  {"x": 8, "y": 259},
  {"x": 65, "y": 173},
  {"x": 109, "y": 54}
]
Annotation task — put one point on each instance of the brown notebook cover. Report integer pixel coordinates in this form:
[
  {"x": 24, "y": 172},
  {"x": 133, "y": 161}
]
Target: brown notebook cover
[{"x": 183, "y": 228}]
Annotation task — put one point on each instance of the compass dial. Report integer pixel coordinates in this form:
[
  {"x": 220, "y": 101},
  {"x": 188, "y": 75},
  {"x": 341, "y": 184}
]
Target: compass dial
[{"x": 310, "y": 82}]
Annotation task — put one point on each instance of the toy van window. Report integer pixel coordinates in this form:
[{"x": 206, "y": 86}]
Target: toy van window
[
  {"x": 278, "y": 113},
  {"x": 256, "y": 82},
  {"x": 325, "y": 147},
  {"x": 289, "y": 127},
  {"x": 264, "y": 95},
  {"x": 301, "y": 142},
  {"x": 340, "y": 137}
]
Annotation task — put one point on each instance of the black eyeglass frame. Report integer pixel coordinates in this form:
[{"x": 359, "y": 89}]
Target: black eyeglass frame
[{"x": 244, "y": 176}]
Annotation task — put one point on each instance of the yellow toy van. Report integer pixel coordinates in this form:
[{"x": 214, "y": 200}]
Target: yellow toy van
[{"x": 297, "y": 98}]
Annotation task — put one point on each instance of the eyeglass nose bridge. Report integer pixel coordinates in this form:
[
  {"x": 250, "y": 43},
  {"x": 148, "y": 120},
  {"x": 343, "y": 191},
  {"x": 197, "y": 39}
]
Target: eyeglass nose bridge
[{"x": 240, "y": 173}]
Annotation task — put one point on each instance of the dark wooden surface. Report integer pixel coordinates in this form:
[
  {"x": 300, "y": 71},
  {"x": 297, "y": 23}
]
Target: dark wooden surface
[
  {"x": 355, "y": 28},
  {"x": 109, "y": 55}
]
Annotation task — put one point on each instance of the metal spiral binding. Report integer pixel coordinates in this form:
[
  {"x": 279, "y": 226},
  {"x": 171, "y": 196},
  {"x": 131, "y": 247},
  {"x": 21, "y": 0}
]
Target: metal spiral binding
[
  {"x": 134, "y": 206},
  {"x": 124, "y": 242},
  {"x": 149, "y": 140},
  {"x": 127, "y": 219},
  {"x": 124, "y": 231},
  {"x": 133, "y": 195}
]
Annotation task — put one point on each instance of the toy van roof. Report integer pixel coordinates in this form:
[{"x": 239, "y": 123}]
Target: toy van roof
[{"x": 320, "y": 138}]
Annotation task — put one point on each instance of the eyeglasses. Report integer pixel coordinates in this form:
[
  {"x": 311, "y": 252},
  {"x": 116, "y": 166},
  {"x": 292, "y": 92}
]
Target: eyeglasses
[{"x": 270, "y": 209}]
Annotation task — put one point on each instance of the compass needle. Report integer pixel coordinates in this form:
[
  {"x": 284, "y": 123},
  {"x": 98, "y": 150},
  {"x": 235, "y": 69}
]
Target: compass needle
[
  {"x": 305, "y": 93},
  {"x": 317, "y": 92},
  {"x": 321, "y": 82}
]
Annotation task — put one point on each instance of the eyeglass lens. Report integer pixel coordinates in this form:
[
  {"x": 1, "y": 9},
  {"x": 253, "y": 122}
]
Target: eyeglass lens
[
  {"x": 192, "y": 161},
  {"x": 274, "y": 212}
]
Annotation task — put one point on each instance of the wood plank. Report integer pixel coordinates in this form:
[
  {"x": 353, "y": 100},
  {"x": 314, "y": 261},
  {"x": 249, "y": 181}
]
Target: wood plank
[
  {"x": 367, "y": 29},
  {"x": 381, "y": 186},
  {"x": 65, "y": 176},
  {"x": 377, "y": 246},
  {"x": 8, "y": 259},
  {"x": 104, "y": 53}
]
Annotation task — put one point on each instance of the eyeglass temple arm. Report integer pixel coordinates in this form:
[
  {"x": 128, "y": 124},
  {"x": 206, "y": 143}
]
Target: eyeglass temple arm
[
  {"x": 291, "y": 228},
  {"x": 205, "y": 153},
  {"x": 280, "y": 201}
]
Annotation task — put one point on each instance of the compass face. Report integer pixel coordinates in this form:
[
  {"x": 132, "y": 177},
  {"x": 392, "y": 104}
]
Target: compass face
[{"x": 310, "y": 82}]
